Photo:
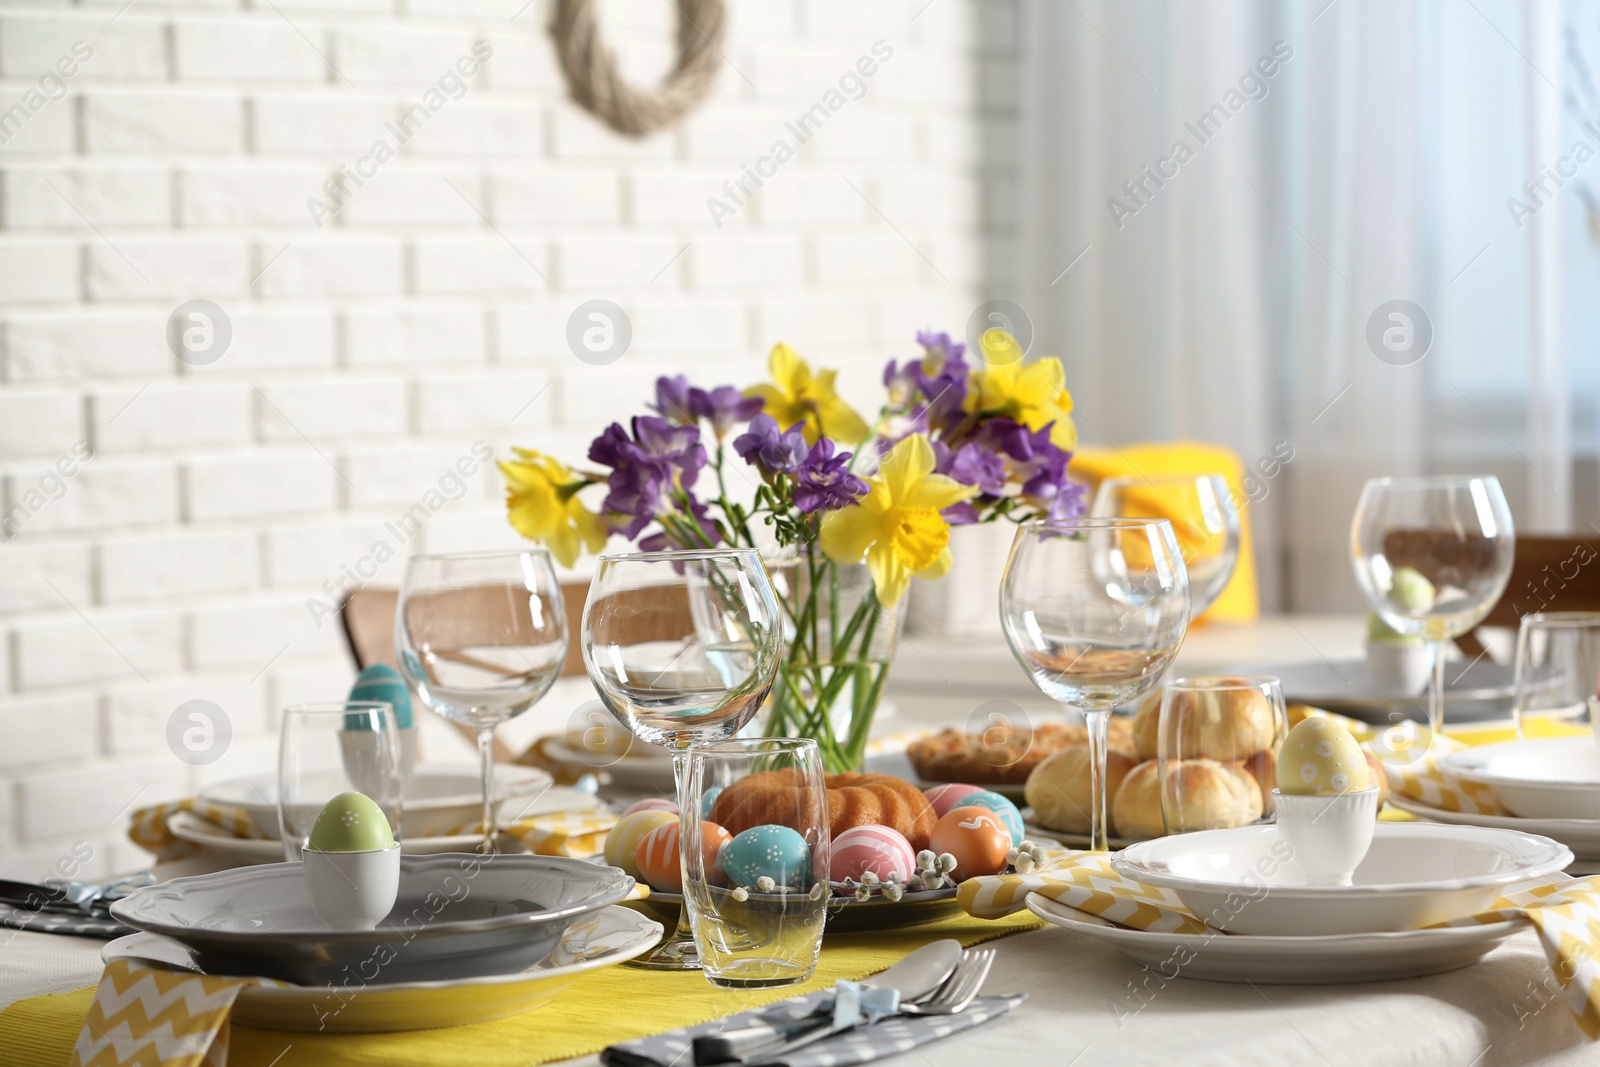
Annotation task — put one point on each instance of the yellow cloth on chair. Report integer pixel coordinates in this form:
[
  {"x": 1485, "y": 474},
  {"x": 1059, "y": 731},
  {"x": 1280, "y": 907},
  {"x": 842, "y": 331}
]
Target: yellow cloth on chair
[{"x": 1239, "y": 599}]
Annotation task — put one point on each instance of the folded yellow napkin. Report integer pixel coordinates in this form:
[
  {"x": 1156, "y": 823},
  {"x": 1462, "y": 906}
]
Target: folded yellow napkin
[
  {"x": 157, "y": 1017},
  {"x": 569, "y": 833},
  {"x": 147, "y": 827},
  {"x": 1565, "y": 913}
]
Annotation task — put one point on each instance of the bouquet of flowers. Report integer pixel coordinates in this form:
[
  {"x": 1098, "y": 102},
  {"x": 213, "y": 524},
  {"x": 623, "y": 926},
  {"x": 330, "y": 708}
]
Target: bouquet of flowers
[{"x": 955, "y": 441}]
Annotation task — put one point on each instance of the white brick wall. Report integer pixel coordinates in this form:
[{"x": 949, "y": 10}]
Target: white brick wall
[{"x": 428, "y": 312}]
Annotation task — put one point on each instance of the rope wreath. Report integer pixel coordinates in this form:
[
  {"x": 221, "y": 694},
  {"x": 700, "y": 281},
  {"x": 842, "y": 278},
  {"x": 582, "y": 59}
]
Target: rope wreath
[{"x": 598, "y": 87}]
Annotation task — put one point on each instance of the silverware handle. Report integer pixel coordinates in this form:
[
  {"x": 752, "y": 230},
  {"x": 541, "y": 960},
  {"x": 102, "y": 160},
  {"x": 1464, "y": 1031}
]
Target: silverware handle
[{"x": 733, "y": 1046}]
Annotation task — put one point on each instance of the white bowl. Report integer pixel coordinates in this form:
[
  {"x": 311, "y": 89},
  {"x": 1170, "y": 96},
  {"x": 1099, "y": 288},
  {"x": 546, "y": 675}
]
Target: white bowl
[
  {"x": 1543, "y": 778},
  {"x": 1413, "y": 875},
  {"x": 437, "y": 800}
]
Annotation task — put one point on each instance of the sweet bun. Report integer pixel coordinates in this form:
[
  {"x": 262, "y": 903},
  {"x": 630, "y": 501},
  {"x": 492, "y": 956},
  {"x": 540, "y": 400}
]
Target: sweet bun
[
  {"x": 1216, "y": 724},
  {"x": 1263, "y": 767},
  {"x": 1202, "y": 794},
  {"x": 1002, "y": 753},
  {"x": 1146, "y": 725},
  {"x": 1379, "y": 779},
  {"x": 1058, "y": 789}
]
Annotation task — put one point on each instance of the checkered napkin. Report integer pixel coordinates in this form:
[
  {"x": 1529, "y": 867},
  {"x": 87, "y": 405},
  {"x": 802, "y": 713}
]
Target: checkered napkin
[
  {"x": 148, "y": 827},
  {"x": 902, "y": 1033}
]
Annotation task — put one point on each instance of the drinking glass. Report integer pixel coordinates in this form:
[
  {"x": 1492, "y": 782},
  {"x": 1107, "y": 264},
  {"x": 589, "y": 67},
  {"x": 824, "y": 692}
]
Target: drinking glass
[
  {"x": 341, "y": 746},
  {"x": 1557, "y": 670},
  {"x": 1095, "y": 609},
  {"x": 682, "y": 647},
  {"x": 1236, "y": 726},
  {"x": 1208, "y": 533},
  {"x": 481, "y": 638},
  {"x": 1432, "y": 556},
  {"x": 752, "y": 933}
]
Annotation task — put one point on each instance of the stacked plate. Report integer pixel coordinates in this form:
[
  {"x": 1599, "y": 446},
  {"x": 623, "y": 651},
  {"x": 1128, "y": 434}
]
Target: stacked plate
[
  {"x": 1267, "y": 925},
  {"x": 469, "y": 938},
  {"x": 1548, "y": 786}
]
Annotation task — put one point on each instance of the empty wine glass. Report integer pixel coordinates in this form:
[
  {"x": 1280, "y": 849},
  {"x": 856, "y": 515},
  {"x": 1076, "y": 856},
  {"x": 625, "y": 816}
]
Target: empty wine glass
[
  {"x": 1204, "y": 515},
  {"x": 1432, "y": 556},
  {"x": 683, "y": 648},
  {"x": 481, "y": 638},
  {"x": 1095, "y": 609}
]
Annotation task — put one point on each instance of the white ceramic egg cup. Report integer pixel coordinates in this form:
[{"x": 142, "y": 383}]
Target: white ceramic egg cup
[
  {"x": 1329, "y": 834},
  {"x": 353, "y": 890}
]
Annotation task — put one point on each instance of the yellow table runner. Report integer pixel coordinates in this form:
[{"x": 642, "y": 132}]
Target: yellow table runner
[{"x": 599, "y": 1009}]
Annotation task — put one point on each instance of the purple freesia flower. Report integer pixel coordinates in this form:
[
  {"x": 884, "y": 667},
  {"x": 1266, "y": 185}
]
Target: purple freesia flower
[
  {"x": 769, "y": 451},
  {"x": 723, "y": 407},
  {"x": 940, "y": 344},
  {"x": 700, "y": 515},
  {"x": 824, "y": 481},
  {"x": 675, "y": 399},
  {"x": 647, "y": 468},
  {"x": 972, "y": 464}
]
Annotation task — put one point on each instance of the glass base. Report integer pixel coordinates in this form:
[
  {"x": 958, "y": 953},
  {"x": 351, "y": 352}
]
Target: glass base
[
  {"x": 674, "y": 954},
  {"x": 754, "y": 983}
]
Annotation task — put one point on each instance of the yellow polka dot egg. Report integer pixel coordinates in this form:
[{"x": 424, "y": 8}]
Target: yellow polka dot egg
[{"x": 1320, "y": 758}]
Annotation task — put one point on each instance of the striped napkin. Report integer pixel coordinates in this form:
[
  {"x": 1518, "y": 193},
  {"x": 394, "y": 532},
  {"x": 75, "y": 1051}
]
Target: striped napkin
[
  {"x": 148, "y": 827},
  {"x": 1422, "y": 780}
]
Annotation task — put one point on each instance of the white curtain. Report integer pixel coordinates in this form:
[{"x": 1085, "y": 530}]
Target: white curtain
[{"x": 1340, "y": 157}]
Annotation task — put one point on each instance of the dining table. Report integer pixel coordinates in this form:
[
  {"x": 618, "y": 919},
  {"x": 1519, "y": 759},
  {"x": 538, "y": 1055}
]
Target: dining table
[{"x": 1088, "y": 1004}]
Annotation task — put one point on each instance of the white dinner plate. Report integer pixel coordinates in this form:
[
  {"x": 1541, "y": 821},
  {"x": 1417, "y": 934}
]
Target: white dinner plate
[
  {"x": 1217, "y": 957},
  {"x": 1538, "y": 778},
  {"x": 1414, "y": 875},
  {"x": 606, "y": 938},
  {"x": 1582, "y": 836},
  {"x": 650, "y": 771},
  {"x": 186, "y": 826},
  {"x": 438, "y": 799}
]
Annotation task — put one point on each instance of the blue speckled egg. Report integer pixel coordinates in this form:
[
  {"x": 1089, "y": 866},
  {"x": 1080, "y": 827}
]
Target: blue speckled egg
[
  {"x": 1003, "y": 809},
  {"x": 382, "y": 682},
  {"x": 708, "y": 799},
  {"x": 775, "y": 852}
]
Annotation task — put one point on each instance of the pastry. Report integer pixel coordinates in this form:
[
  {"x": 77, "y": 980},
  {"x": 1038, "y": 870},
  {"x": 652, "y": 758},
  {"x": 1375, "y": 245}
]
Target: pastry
[
  {"x": 780, "y": 798},
  {"x": 1202, "y": 794},
  {"x": 1216, "y": 724},
  {"x": 1002, "y": 754},
  {"x": 1058, "y": 789}
]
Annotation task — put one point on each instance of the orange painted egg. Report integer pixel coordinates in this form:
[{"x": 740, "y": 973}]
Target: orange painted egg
[
  {"x": 976, "y": 838},
  {"x": 657, "y": 856},
  {"x": 623, "y": 840}
]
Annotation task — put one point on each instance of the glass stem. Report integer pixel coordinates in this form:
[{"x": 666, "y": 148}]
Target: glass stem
[
  {"x": 1436, "y": 696},
  {"x": 486, "y": 765},
  {"x": 680, "y": 778},
  {"x": 1098, "y": 721}
]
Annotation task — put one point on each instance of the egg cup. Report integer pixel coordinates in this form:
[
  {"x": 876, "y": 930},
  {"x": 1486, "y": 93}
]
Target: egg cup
[
  {"x": 1399, "y": 666},
  {"x": 353, "y": 890},
  {"x": 1328, "y": 834}
]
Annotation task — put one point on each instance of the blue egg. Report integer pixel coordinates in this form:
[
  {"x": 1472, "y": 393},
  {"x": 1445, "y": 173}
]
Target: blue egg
[
  {"x": 708, "y": 800},
  {"x": 1003, "y": 809},
  {"x": 775, "y": 852},
  {"x": 382, "y": 682}
]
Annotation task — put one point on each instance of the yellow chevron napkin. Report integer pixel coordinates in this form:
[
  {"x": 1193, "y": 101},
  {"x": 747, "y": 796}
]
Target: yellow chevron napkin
[
  {"x": 158, "y": 1018},
  {"x": 147, "y": 827},
  {"x": 570, "y": 833}
]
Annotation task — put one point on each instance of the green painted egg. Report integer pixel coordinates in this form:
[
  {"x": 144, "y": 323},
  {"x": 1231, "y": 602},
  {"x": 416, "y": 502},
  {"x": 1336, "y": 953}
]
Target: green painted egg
[{"x": 351, "y": 822}]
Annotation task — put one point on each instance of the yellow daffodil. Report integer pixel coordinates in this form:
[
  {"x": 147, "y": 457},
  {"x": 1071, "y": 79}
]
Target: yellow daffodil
[
  {"x": 897, "y": 525},
  {"x": 797, "y": 395},
  {"x": 542, "y": 504},
  {"x": 1033, "y": 395}
]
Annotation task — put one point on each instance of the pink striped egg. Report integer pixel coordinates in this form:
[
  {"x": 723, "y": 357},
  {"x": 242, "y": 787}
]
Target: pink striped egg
[
  {"x": 657, "y": 857},
  {"x": 881, "y": 850},
  {"x": 651, "y": 804},
  {"x": 945, "y": 797}
]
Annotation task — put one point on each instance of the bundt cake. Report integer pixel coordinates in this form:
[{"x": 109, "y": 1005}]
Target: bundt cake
[{"x": 779, "y": 797}]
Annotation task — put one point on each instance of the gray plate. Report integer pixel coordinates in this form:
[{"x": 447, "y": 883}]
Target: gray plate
[
  {"x": 1476, "y": 692},
  {"x": 456, "y": 914}
]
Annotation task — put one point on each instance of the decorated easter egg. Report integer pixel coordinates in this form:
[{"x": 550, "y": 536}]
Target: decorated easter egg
[
  {"x": 767, "y": 851},
  {"x": 657, "y": 857},
  {"x": 651, "y": 804},
  {"x": 976, "y": 837},
  {"x": 1006, "y": 811},
  {"x": 622, "y": 842},
  {"x": 708, "y": 800},
  {"x": 879, "y": 850},
  {"x": 945, "y": 797},
  {"x": 382, "y": 682},
  {"x": 1319, "y": 757},
  {"x": 351, "y": 822}
]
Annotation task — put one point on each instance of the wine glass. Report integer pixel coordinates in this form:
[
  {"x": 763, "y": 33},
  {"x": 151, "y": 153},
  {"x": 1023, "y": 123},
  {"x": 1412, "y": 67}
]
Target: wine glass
[
  {"x": 683, "y": 648},
  {"x": 1205, "y": 517},
  {"x": 481, "y": 638},
  {"x": 1557, "y": 671},
  {"x": 1095, "y": 609},
  {"x": 1432, "y": 556}
]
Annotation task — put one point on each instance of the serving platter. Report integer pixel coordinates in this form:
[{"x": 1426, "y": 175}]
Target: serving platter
[
  {"x": 603, "y": 939},
  {"x": 1217, "y": 957}
]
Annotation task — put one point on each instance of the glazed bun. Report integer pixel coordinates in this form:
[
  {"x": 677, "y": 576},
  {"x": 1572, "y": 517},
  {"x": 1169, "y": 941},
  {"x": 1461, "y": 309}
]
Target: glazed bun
[
  {"x": 1146, "y": 724},
  {"x": 1218, "y": 724},
  {"x": 1204, "y": 795},
  {"x": 1263, "y": 767},
  {"x": 1058, "y": 788}
]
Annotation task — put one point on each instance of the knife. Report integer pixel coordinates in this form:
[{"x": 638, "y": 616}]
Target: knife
[{"x": 913, "y": 977}]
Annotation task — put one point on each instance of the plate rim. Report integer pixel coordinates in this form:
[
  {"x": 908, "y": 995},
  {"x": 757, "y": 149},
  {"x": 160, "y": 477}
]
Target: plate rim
[
  {"x": 1459, "y": 764},
  {"x": 519, "y": 780},
  {"x": 227, "y": 842},
  {"x": 1425, "y": 810}
]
